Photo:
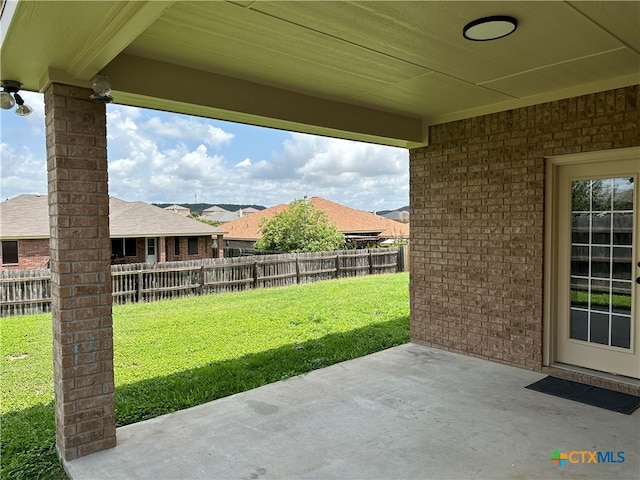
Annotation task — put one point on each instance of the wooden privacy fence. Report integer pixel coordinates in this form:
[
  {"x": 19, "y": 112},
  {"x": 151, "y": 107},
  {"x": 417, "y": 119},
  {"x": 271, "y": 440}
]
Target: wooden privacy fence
[
  {"x": 29, "y": 291},
  {"x": 23, "y": 292}
]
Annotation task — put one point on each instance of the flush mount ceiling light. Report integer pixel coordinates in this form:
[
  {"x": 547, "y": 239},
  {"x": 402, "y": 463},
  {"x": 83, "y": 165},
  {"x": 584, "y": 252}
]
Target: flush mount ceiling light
[
  {"x": 489, "y": 28},
  {"x": 10, "y": 97},
  {"x": 102, "y": 89}
]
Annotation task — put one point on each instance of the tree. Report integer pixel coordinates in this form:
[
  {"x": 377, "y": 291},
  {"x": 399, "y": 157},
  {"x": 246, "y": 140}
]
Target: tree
[
  {"x": 299, "y": 228},
  {"x": 588, "y": 195},
  {"x": 213, "y": 223}
]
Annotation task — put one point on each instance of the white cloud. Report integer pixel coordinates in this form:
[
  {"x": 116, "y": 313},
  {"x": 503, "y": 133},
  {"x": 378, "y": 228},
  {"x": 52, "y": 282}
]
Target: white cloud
[
  {"x": 357, "y": 174},
  {"x": 335, "y": 156},
  {"x": 36, "y": 102},
  {"x": 21, "y": 169},
  {"x": 189, "y": 128},
  {"x": 198, "y": 165},
  {"x": 157, "y": 157},
  {"x": 131, "y": 112},
  {"x": 154, "y": 169},
  {"x": 244, "y": 163}
]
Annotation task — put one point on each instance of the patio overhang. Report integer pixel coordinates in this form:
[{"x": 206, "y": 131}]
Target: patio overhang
[
  {"x": 323, "y": 68},
  {"x": 384, "y": 72}
]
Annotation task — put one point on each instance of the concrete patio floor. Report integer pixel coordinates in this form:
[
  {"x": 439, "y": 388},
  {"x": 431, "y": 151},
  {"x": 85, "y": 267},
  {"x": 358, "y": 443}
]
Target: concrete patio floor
[{"x": 410, "y": 412}]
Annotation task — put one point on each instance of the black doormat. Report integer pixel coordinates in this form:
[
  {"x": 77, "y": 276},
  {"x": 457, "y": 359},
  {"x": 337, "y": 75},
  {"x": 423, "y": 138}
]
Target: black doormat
[{"x": 595, "y": 396}]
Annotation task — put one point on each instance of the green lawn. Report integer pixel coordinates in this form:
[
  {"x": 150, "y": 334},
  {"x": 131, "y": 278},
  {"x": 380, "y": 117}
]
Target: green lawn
[
  {"x": 176, "y": 354},
  {"x": 602, "y": 299}
]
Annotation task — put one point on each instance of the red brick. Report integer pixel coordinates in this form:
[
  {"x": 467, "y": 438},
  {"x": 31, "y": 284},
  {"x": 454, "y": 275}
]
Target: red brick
[{"x": 80, "y": 271}]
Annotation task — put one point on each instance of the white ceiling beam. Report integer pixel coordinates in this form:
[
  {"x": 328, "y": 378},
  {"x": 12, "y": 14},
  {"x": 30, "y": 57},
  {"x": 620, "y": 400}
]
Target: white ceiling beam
[
  {"x": 118, "y": 30},
  {"x": 8, "y": 8},
  {"x": 153, "y": 84}
]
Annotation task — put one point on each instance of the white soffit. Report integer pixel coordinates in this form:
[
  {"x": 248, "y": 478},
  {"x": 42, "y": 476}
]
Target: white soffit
[
  {"x": 371, "y": 69},
  {"x": 223, "y": 38}
]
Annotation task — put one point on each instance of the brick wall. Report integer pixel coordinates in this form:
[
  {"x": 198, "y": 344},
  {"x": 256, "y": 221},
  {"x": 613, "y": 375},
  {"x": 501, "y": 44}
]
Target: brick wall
[
  {"x": 477, "y": 203},
  {"x": 35, "y": 253},
  {"x": 80, "y": 271},
  {"x": 32, "y": 253},
  {"x": 205, "y": 249}
]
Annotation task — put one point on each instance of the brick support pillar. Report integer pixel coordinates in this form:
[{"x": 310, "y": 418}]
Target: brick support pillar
[
  {"x": 162, "y": 249},
  {"x": 80, "y": 272}
]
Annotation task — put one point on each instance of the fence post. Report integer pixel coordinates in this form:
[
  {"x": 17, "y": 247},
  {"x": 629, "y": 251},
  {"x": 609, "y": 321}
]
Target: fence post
[
  {"x": 403, "y": 258},
  {"x": 337, "y": 265},
  {"x": 255, "y": 274},
  {"x": 139, "y": 286},
  {"x": 297, "y": 269},
  {"x": 370, "y": 262},
  {"x": 201, "y": 279}
]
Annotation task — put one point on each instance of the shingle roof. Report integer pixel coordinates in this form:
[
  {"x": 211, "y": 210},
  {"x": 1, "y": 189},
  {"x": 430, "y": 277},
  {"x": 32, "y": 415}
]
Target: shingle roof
[
  {"x": 27, "y": 216},
  {"x": 214, "y": 209},
  {"x": 397, "y": 215},
  {"x": 348, "y": 221},
  {"x": 222, "y": 217},
  {"x": 225, "y": 216},
  {"x": 178, "y": 209}
]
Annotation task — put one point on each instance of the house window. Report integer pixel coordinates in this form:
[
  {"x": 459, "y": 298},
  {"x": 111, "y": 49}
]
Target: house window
[
  {"x": 193, "y": 245},
  {"x": 176, "y": 246},
  {"x": 123, "y": 247},
  {"x": 9, "y": 252}
]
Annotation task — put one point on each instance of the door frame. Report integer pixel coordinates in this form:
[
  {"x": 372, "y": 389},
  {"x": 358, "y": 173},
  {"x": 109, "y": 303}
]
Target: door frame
[
  {"x": 146, "y": 249},
  {"x": 550, "y": 299}
]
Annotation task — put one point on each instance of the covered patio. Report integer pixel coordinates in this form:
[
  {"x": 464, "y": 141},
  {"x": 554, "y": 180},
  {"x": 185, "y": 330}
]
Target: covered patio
[
  {"x": 405, "y": 413},
  {"x": 501, "y": 104}
]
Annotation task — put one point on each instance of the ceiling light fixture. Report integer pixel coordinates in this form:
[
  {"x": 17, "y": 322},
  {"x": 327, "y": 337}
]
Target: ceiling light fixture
[
  {"x": 489, "y": 28},
  {"x": 102, "y": 89},
  {"x": 9, "y": 97}
]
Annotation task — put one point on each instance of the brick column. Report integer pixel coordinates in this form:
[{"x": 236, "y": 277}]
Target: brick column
[
  {"x": 220, "y": 247},
  {"x": 162, "y": 249},
  {"x": 80, "y": 272}
]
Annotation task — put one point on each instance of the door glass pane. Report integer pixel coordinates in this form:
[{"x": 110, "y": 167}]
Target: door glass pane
[
  {"x": 621, "y": 331},
  {"x": 623, "y": 194},
  {"x": 601, "y": 261},
  {"x": 621, "y": 297},
  {"x": 599, "y": 328},
  {"x": 580, "y": 228},
  {"x": 622, "y": 263},
  {"x": 579, "y": 324},
  {"x": 601, "y": 228},
  {"x": 601, "y": 195},
  {"x": 622, "y": 228},
  {"x": 580, "y": 196}
]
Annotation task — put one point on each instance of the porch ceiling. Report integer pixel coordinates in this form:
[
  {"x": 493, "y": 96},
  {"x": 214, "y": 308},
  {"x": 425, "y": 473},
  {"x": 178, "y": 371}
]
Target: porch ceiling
[{"x": 373, "y": 71}]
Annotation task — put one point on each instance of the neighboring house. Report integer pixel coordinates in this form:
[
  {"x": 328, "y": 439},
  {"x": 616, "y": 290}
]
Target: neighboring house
[
  {"x": 219, "y": 214},
  {"x": 357, "y": 226},
  {"x": 139, "y": 233},
  {"x": 401, "y": 216},
  {"x": 213, "y": 209},
  {"x": 184, "y": 211}
]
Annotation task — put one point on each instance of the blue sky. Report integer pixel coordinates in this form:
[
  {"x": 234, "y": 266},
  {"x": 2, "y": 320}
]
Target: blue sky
[{"x": 170, "y": 158}]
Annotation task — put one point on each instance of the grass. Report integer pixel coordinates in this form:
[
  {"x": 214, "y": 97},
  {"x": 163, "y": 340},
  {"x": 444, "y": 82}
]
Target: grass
[
  {"x": 176, "y": 354},
  {"x": 601, "y": 299}
]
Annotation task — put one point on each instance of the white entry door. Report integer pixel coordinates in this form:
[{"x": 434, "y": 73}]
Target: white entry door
[
  {"x": 151, "y": 251},
  {"x": 598, "y": 266}
]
